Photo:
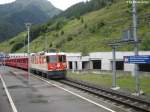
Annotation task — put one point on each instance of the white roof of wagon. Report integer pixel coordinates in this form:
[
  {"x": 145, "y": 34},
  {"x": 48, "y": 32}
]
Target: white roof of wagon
[
  {"x": 18, "y": 55},
  {"x": 60, "y": 53}
]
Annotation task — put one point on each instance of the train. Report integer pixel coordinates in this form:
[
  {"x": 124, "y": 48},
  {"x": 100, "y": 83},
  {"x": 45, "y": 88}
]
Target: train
[{"x": 47, "y": 64}]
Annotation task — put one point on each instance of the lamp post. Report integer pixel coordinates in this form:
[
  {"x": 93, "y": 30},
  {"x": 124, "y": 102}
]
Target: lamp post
[
  {"x": 28, "y": 25},
  {"x": 24, "y": 45},
  {"x": 114, "y": 47},
  {"x": 46, "y": 47}
]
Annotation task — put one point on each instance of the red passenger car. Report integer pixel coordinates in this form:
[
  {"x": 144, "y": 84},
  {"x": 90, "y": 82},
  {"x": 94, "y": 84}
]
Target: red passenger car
[{"x": 17, "y": 62}]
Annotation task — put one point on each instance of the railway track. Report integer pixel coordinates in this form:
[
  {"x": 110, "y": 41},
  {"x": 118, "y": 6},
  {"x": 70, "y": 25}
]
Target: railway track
[{"x": 135, "y": 103}]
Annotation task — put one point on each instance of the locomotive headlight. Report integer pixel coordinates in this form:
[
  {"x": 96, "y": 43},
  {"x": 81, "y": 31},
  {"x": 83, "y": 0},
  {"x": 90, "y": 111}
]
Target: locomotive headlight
[
  {"x": 65, "y": 65},
  {"x": 58, "y": 65}
]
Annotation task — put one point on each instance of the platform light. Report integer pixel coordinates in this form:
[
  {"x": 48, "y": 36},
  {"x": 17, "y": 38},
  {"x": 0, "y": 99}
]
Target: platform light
[{"x": 28, "y": 25}]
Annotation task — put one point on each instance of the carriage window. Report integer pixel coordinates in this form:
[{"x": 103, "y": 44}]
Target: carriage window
[
  {"x": 51, "y": 59},
  {"x": 44, "y": 59},
  {"x": 62, "y": 58}
]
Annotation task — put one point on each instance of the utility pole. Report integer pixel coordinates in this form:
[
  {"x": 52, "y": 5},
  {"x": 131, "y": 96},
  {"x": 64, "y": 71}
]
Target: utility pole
[
  {"x": 46, "y": 48},
  {"x": 136, "y": 49},
  {"x": 28, "y": 25},
  {"x": 114, "y": 67}
]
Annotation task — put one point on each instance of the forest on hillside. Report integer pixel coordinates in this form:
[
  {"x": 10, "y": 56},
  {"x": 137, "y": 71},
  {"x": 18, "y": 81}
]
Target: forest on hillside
[{"x": 86, "y": 27}]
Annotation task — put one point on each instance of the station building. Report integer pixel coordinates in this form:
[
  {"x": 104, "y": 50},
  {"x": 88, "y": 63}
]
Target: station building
[{"x": 103, "y": 61}]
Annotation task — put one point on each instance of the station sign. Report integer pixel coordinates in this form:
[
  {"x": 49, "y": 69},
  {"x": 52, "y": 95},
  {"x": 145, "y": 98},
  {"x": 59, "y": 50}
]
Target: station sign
[{"x": 140, "y": 59}]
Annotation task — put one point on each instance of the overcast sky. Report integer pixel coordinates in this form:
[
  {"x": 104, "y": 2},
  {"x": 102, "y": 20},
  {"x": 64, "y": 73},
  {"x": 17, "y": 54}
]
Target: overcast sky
[{"x": 61, "y": 4}]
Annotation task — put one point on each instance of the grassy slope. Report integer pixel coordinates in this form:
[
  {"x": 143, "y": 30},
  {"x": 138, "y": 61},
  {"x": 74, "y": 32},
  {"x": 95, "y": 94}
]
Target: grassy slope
[
  {"x": 126, "y": 82},
  {"x": 79, "y": 35},
  {"x": 7, "y": 45}
]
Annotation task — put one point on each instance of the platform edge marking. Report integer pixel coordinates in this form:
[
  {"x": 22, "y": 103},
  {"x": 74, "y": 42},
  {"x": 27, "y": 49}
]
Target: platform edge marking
[
  {"x": 99, "y": 105},
  {"x": 8, "y": 95}
]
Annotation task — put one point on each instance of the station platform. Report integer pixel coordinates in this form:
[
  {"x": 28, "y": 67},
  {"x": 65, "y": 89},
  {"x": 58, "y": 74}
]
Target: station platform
[{"x": 39, "y": 96}]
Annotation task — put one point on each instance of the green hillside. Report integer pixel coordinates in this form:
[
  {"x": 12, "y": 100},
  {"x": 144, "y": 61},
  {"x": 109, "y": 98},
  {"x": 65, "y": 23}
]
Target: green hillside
[
  {"x": 87, "y": 33},
  {"x": 14, "y": 15}
]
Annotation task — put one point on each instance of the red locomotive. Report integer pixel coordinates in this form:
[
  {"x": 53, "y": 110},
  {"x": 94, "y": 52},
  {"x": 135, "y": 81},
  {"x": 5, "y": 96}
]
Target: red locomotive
[{"x": 49, "y": 65}]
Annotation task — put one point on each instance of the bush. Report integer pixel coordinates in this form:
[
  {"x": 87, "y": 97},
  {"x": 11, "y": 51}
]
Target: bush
[
  {"x": 82, "y": 20},
  {"x": 17, "y": 47},
  {"x": 100, "y": 24},
  {"x": 11, "y": 42},
  {"x": 92, "y": 29},
  {"x": 62, "y": 32},
  {"x": 69, "y": 38},
  {"x": 85, "y": 26},
  {"x": 50, "y": 45},
  {"x": 56, "y": 35}
]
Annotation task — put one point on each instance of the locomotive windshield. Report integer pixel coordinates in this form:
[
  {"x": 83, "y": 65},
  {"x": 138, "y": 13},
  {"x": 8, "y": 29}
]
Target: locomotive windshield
[
  {"x": 56, "y": 58},
  {"x": 51, "y": 59}
]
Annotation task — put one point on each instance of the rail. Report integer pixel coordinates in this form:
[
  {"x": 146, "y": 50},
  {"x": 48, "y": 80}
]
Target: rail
[{"x": 136, "y": 103}]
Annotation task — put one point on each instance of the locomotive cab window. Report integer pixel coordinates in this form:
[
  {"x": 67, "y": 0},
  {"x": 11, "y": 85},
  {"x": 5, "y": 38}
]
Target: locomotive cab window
[{"x": 62, "y": 58}]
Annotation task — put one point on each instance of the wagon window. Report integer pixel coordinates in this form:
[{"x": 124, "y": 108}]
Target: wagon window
[{"x": 44, "y": 59}]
